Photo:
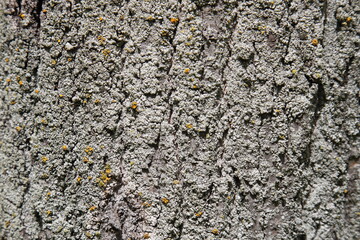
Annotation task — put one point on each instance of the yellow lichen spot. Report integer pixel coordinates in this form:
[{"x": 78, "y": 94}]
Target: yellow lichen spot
[
  {"x": 78, "y": 179},
  {"x": 12, "y": 102},
  {"x": 92, "y": 208},
  {"x": 215, "y": 231},
  {"x": 357, "y": 213},
  {"x": 48, "y": 194},
  {"x": 198, "y": 214},
  {"x": 337, "y": 158},
  {"x": 59, "y": 40},
  {"x": 113, "y": 101},
  {"x": 294, "y": 71},
  {"x": 84, "y": 102},
  {"x": 106, "y": 52},
  {"x": 44, "y": 159},
  {"x": 89, "y": 150},
  {"x": 315, "y": 42},
  {"x": 64, "y": 147},
  {"x": 140, "y": 194},
  {"x": 61, "y": 95},
  {"x": 18, "y": 128},
  {"x": 36, "y": 91},
  {"x": 186, "y": 70},
  {"x": 89, "y": 177},
  {"x": 174, "y": 20},
  {"x": 282, "y": 137},
  {"x": 132, "y": 163},
  {"x": 176, "y": 182},
  {"x": 97, "y": 101},
  {"x": 44, "y": 11},
  {"x": 134, "y": 105},
  {"x": 48, "y": 212},
  {"x": 193, "y": 29},
  {"x": 150, "y": 18},
  {"x": 101, "y": 39},
  {"x": 277, "y": 110},
  {"x": 7, "y": 224},
  {"x": 229, "y": 197},
  {"x": 53, "y": 62},
  {"x": 165, "y": 200},
  {"x": 345, "y": 191},
  {"x": 195, "y": 86},
  {"x": 22, "y": 16},
  {"x": 101, "y": 18},
  {"x": 88, "y": 235},
  {"x": 189, "y": 125},
  {"x": 107, "y": 169},
  {"x": 7, "y": 59},
  {"x": 146, "y": 236}
]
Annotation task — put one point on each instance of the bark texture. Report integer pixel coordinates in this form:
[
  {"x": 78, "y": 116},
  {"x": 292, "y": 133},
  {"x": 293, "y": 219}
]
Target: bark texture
[{"x": 179, "y": 119}]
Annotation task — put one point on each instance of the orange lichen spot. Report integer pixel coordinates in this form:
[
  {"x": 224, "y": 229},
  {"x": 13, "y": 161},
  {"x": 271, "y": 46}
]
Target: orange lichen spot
[
  {"x": 195, "y": 86},
  {"x": 8, "y": 80},
  {"x": 101, "y": 19},
  {"x": 64, "y": 147},
  {"x": 21, "y": 83},
  {"x": 215, "y": 231},
  {"x": 7, "y": 59},
  {"x": 165, "y": 200},
  {"x": 107, "y": 169},
  {"x": 48, "y": 212},
  {"x": 92, "y": 208},
  {"x": 348, "y": 19},
  {"x": 89, "y": 150},
  {"x": 346, "y": 191},
  {"x": 104, "y": 177},
  {"x": 44, "y": 159},
  {"x": 174, "y": 20},
  {"x": 36, "y": 91},
  {"x": 146, "y": 204},
  {"x": 198, "y": 214},
  {"x": 44, "y": 121},
  {"x": 134, "y": 105},
  {"x": 69, "y": 59},
  {"x": 176, "y": 182},
  {"x": 44, "y": 11},
  {"x": 97, "y": 101},
  {"x": 189, "y": 125},
  {"x": 53, "y": 62},
  {"x": 315, "y": 42},
  {"x": 150, "y": 18},
  {"x": 22, "y": 16},
  {"x": 78, "y": 179},
  {"x": 106, "y": 52},
  {"x": 146, "y": 236},
  {"x": 186, "y": 70},
  {"x": 18, "y": 128},
  {"x": 12, "y": 102}
]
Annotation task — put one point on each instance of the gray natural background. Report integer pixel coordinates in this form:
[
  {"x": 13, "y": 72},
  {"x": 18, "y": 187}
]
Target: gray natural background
[{"x": 179, "y": 119}]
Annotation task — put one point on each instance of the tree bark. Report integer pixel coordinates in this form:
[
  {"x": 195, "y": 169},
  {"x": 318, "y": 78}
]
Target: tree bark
[{"x": 179, "y": 119}]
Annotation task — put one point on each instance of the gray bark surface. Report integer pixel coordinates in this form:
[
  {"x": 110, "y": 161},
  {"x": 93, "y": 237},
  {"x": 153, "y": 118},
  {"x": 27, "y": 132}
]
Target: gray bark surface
[{"x": 179, "y": 119}]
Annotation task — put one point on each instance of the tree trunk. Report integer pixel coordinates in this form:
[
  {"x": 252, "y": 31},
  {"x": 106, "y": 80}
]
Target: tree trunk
[{"x": 179, "y": 119}]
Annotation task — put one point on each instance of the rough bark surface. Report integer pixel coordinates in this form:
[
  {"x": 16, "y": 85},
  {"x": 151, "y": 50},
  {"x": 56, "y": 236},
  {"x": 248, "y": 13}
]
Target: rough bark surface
[{"x": 179, "y": 119}]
